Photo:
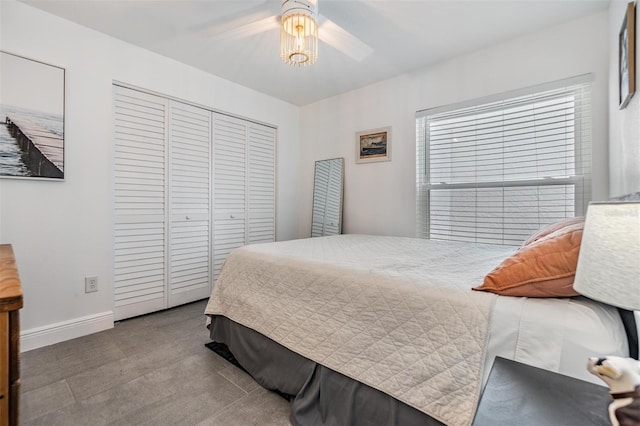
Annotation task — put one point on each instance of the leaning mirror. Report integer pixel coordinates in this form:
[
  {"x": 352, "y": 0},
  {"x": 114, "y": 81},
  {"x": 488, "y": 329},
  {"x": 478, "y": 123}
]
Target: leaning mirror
[{"x": 327, "y": 197}]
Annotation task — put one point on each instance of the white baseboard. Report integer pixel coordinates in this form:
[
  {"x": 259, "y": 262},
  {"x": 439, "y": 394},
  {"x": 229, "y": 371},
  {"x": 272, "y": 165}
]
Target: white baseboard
[{"x": 59, "y": 332}]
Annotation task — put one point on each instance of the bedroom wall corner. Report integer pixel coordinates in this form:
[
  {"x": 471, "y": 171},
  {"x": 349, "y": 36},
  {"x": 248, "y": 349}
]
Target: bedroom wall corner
[{"x": 624, "y": 124}]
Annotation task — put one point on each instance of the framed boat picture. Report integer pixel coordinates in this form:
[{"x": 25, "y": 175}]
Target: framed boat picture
[
  {"x": 373, "y": 145},
  {"x": 31, "y": 118}
]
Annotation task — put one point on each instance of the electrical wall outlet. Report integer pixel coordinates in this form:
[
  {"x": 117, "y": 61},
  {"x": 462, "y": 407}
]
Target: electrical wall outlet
[{"x": 90, "y": 284}]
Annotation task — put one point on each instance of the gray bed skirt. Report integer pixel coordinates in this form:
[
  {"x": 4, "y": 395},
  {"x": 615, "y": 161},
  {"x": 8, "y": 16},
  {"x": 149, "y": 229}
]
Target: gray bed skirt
[{"x": 319, "y": 396}]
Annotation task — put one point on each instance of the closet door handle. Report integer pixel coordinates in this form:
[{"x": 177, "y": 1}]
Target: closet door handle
[
  {"x": 188, "y": 217},
  {"x": 232, "y": 216}
]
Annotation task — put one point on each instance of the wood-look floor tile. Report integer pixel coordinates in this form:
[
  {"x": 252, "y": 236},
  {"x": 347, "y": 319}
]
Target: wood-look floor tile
[
  {"x": 258, "y": 408},
  {"x": 46, "y": 399},
  {"x": 150, "y": 370}
]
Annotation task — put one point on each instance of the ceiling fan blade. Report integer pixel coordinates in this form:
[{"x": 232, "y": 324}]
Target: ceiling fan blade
[
  {"x": 230, "y": 22},
  {"x": 339, "y": 38},
  {"x": 252, "y": 28}
]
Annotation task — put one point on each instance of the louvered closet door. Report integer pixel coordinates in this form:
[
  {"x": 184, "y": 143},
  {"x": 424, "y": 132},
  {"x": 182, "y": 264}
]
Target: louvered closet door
[
  {"x": 139, "y": 255},
  {"x": 261, "y": 184},
  {"x": 189, "y": 195},
  {"x": 229, "y": 182}
]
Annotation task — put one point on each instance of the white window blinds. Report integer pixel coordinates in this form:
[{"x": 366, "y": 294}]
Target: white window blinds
[{"x": 497, "y": 171}]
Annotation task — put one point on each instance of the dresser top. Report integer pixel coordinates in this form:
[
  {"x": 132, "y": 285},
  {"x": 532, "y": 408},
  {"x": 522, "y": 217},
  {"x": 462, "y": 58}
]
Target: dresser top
[{"x": 10, "y": 287}]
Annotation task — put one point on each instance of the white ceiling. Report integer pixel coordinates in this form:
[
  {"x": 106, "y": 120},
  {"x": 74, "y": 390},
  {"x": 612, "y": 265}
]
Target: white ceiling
[{"x": 404, "y": 35}]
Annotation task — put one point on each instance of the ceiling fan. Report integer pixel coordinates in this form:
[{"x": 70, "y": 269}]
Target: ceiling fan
[{"x": 300, "y": 27}]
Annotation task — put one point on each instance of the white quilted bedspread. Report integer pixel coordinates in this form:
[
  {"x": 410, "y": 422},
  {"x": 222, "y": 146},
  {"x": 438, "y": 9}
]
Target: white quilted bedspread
[{"x": 397, "y": 314}]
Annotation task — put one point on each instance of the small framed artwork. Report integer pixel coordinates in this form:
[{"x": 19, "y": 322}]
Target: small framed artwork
[
  {"x": 373, "y": 145},
  {"x": 31, "y": 119},
  {"x": 627, "y": 56}
]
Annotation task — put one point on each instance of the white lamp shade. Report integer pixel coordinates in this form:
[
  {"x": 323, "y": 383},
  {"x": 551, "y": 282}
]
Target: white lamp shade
[{"x": 609, "y": 261}]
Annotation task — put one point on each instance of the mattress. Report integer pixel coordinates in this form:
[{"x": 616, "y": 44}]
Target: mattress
[{"x": 396, "y": 314}]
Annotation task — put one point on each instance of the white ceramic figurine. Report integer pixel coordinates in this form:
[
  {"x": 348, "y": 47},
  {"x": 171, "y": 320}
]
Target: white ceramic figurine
[{"x": 623, "y": 377}]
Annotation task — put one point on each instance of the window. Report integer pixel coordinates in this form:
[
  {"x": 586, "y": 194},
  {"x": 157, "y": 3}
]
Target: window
[{"x": 496, "y": 170}]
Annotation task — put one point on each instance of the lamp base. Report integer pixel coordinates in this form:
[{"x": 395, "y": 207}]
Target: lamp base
[{"x": 630, "y": 320}]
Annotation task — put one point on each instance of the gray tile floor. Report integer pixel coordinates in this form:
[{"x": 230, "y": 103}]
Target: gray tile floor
[{"x": 150, "y": 370}]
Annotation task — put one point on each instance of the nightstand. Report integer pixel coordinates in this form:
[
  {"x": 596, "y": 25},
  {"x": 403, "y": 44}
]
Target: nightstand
[{"x": 519, "y": 394}]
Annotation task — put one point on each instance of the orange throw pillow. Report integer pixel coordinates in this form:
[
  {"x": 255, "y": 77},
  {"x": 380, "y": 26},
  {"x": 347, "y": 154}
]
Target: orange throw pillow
[{"x": 544, "y": 268}]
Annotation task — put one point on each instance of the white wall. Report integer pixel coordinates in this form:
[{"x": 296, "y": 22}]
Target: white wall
[
  {"x": 62, "y": 231},
  {"x": 380, "y": 197},
  {"x": 624, "y": 125}
]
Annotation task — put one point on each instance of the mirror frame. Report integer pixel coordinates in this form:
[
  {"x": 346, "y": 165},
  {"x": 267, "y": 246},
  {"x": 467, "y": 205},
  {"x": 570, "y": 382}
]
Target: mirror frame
[{"x": 315, "y": 169}]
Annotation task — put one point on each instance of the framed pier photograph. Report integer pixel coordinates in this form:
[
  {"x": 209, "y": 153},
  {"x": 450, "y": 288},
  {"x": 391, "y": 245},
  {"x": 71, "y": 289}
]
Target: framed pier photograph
[
  {"x": 31, "y": 118},
  {"x": 373, "y": 145}
]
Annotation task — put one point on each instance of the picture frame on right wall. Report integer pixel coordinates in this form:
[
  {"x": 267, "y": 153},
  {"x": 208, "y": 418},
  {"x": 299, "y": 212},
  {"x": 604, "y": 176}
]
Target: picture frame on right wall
[{"x": 627, "y": 57}]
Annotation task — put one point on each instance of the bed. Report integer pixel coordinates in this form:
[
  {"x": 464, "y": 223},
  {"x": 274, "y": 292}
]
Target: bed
[{"x": 361, "y": 329}]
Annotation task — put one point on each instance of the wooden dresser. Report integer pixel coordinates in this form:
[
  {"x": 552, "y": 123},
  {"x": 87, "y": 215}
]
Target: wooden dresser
[{"x": 10, "y": 302}]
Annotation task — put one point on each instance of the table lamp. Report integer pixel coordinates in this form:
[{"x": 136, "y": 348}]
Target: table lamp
[{"x": 609, "y": 262}]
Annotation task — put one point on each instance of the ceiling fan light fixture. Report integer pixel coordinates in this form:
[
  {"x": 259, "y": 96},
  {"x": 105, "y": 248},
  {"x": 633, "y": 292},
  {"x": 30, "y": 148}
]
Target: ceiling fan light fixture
[{"x": 299, "y": 32}]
